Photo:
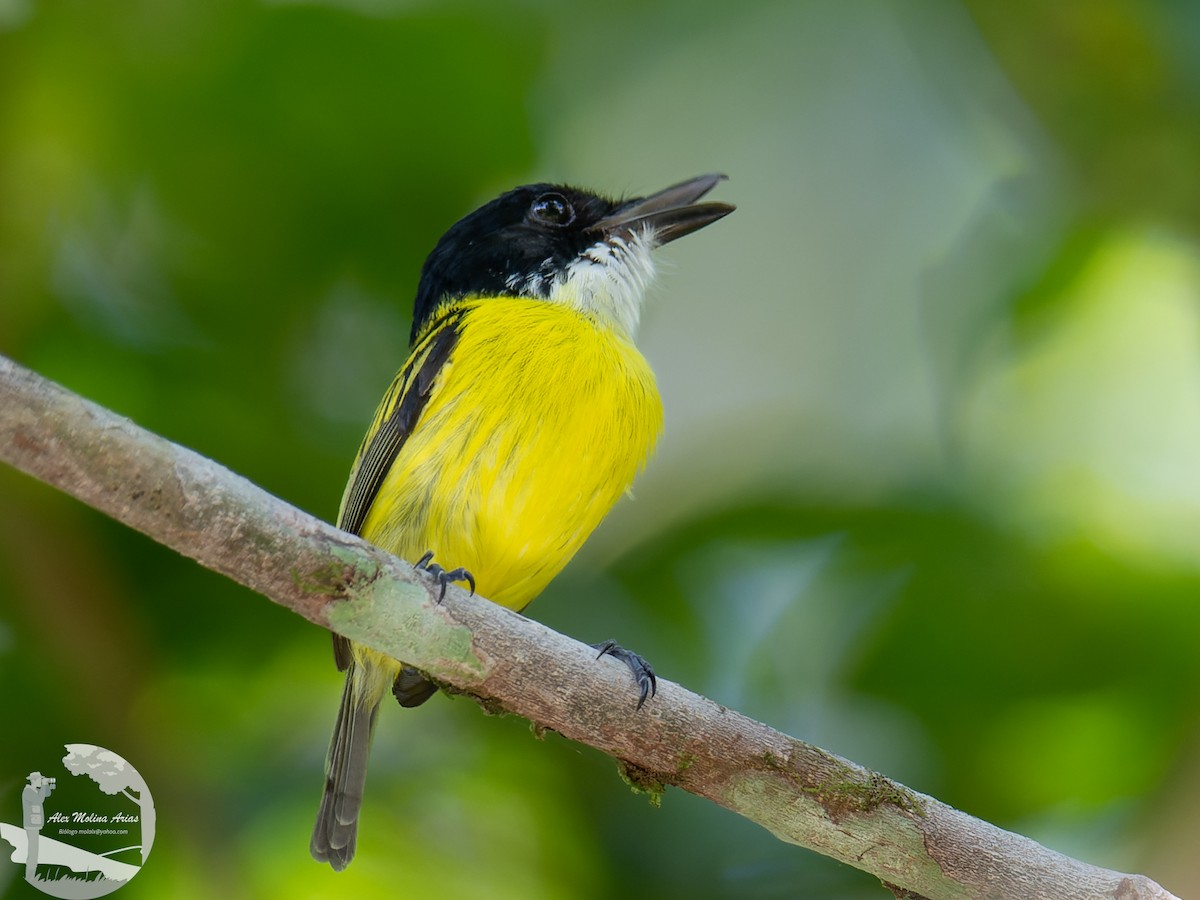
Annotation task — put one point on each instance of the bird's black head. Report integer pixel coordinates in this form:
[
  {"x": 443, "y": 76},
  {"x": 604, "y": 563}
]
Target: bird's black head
[{"x": 551, "y": 242}]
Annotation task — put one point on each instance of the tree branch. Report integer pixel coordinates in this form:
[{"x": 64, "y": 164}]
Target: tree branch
[{"x": 918, "y": 846}]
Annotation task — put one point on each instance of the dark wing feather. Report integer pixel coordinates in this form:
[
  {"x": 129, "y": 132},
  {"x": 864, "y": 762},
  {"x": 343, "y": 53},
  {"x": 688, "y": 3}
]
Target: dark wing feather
[{"x": 402, "y": 406}]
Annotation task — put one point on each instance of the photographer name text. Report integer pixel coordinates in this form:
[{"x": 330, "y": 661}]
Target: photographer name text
[{"x": 88, "y": 818}]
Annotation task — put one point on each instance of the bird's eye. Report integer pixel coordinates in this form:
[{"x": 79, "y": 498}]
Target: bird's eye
[{"x": 552, "y": 209}]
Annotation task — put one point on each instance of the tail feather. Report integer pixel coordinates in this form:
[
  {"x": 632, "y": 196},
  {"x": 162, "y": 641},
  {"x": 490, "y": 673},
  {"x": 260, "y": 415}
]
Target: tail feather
[{"x": 336, "y": 831}]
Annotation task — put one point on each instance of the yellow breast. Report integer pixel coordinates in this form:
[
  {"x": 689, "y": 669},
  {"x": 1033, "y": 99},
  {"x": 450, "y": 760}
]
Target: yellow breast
[{"x": 534, "y": 428}]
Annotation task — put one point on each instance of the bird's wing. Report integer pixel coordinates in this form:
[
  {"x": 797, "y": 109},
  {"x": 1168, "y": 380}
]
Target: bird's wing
[{"x": 393, "y": 423}]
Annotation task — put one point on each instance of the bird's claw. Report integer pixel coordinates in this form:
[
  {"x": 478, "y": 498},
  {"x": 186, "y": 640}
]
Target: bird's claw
[
  {"x": 443, "y": 576},
  {"x": 643, "y": 672}
]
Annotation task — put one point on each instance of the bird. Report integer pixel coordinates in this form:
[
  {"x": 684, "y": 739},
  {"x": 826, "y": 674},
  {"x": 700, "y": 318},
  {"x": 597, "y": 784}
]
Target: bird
[{"x": 523, "y": 412}]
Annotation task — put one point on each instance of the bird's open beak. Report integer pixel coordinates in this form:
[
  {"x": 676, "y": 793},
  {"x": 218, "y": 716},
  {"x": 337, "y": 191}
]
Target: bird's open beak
[{"x": 670, "y": 213}]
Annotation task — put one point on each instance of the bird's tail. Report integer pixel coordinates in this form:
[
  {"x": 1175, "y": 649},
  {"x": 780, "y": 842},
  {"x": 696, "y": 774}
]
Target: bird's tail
[{"x": 336, "y": 831}]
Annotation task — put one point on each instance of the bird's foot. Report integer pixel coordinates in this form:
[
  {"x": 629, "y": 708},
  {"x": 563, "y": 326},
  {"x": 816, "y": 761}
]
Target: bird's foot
[
  {"x": 642, "y": 671},
  {"x": 443, "y": 576}
]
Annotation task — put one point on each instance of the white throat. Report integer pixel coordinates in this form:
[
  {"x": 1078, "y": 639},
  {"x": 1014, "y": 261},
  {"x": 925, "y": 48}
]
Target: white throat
[{"x": 609, "y": 281}]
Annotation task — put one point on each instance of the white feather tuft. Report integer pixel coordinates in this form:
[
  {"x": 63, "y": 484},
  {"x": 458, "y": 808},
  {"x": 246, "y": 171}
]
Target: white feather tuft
[{"x": 609, "y": 280}]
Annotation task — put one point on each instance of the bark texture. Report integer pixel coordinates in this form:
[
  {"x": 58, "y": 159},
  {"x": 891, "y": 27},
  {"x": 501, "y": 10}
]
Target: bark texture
[{"x": 916, "y": 845}]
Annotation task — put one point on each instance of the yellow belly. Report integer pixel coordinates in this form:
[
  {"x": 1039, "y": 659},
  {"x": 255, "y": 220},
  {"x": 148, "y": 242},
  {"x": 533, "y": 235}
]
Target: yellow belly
[{"x": 534, "y": 428}]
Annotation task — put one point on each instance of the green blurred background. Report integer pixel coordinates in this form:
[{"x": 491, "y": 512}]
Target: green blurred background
[{"x": 929, "y": 494}]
